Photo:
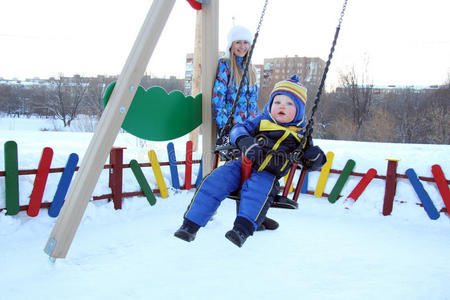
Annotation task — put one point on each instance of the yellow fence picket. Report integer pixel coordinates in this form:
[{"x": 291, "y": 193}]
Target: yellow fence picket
[{"x": 158, "y": 174}]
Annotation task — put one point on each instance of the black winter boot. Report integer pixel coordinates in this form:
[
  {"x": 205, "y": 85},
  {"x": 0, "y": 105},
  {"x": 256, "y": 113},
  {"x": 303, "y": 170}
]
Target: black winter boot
[
  {"x": 242, "y": 229},
  {"x": 268, "y": 224},
  {"x": 187, "y": 231},
  {"x": 237, "y": 237}
]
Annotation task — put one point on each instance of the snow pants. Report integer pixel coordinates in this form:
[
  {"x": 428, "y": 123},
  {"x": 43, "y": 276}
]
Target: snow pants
[{"x": 257, "y": 193}]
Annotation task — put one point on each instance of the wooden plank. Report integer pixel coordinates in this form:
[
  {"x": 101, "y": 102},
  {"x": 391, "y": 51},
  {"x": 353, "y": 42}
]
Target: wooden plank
[
  {"x": 427, "y": 203},
  {"x": 323, "y": 177},
  {"x": 193, "y": 135},
  {"x": 210, "y": 56},
  {"x": 158, "y": 174},
  {"x": 173, "y": 165},
  {"x": 342, "y": 180},
  {"x": 142, "y": 181},
  {"x": 40, "y": 181},
  {"x": 11, "y": 178},
  {"x": 63, "y": 186},
  {"x": 390, "y": 187},
  {"x": 363, "y": 183},
  {"x": 304, "y": 187},
  {"x": 442, "y": 185},
  {"x": 300, "y": 183},
  {"x": 188, "y": 169},
  {"x": 108, "y": 127},
  {"x": 199, "y": 174},
  {"x": 288, "y": 187},
  {"x": 116, "y": 175}
]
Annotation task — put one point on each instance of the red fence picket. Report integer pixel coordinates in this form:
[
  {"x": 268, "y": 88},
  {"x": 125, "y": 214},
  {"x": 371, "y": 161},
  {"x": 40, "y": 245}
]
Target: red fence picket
[
  {"x": 116, "y": 176},
  {"x": 39, "y": 182}
]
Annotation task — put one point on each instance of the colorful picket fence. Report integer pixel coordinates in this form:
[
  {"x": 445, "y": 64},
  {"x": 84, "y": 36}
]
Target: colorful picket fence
[{"x": 116, "y": 167}]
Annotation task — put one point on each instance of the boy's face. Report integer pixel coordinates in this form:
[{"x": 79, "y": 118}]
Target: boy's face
[{"x": 283, "y": 109}]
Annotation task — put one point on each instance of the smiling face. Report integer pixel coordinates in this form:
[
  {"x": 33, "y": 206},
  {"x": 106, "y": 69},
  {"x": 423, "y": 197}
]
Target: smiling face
[
  {"x": 240, "y": 48},
  {"x": 283, "y": 109}
]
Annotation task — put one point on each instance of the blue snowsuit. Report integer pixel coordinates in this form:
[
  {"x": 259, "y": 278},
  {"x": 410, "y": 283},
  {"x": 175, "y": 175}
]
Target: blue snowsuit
[{"x": 259, "y": 190}]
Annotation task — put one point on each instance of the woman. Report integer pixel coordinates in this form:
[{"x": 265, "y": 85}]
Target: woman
[{"x": 228, "y": 78}]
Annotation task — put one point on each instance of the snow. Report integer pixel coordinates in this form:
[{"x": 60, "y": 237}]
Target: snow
[{"x": 320, "y": 251}]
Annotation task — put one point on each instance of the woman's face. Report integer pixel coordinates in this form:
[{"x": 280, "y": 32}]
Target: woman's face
[{"x": 240, "y": 48}]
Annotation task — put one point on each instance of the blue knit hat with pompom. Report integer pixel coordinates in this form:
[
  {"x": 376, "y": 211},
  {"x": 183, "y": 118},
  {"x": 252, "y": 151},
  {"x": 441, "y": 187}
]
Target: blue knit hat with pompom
[{"x": 293, "y": 89}]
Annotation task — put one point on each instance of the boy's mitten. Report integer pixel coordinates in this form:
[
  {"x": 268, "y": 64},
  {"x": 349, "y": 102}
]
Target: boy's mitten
[
  {"x": 251, "y": 149},
  {"x": 313, "y": 159}
]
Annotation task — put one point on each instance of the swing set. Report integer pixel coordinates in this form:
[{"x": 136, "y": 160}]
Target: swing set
[
  {"x": 121, "y": 97},
  {"x": 225, "y": 150}
]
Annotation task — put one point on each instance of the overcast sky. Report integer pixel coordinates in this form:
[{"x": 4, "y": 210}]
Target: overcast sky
[{"x": 406, "y": 42}]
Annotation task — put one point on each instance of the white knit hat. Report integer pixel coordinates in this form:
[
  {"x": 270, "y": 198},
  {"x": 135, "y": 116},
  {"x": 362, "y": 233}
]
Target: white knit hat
[{"x": 237, "y": 33}]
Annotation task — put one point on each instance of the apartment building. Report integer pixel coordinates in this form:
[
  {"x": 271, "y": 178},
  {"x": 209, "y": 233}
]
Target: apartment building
[{"x": 308, "y": 69}]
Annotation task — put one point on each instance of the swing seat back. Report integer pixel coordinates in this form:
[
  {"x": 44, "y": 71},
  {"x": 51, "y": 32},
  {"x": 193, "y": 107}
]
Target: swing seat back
[{"x": 279, "y": 201}]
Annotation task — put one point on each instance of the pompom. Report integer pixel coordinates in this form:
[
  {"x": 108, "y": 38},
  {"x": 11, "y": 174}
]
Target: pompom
[{"x": 294, "y": 78}]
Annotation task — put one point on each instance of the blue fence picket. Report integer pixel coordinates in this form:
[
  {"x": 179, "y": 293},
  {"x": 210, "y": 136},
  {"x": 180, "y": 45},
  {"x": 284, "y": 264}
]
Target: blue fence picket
[
  {"x": 199, "y": 174},
  {"x": 173, "y": 165},
  {"x": 63, "y": 186},
  {"x": 428, "y": 205},
  {"x": 304, "y": 188}
]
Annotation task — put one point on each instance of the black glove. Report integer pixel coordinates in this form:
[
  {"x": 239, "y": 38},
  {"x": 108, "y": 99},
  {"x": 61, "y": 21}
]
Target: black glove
[
  {"x": 251, "y": 149},
  {"x": 313, "y": 159}
]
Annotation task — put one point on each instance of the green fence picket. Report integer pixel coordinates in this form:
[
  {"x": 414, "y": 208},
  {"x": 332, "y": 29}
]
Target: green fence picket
[
  {"x": 11, "y": 178},
  {"x": 145, "y": 187}
]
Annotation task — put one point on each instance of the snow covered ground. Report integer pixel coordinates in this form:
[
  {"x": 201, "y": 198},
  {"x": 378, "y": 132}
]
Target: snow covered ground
[{"x": 320, "y": 251}]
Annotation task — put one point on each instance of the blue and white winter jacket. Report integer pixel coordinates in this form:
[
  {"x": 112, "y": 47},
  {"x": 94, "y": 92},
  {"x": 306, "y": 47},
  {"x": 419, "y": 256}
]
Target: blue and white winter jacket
[
  {"x": 224, "y": 93},
  {"x": 284, "y": 138}
]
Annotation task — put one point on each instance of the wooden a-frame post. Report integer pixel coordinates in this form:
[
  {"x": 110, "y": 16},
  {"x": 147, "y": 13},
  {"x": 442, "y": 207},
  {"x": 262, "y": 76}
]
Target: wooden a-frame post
[
  {"x": 193, "y": 135},
  {"x": 108, "y": 127},
  {"x": 210, "y": 56}
]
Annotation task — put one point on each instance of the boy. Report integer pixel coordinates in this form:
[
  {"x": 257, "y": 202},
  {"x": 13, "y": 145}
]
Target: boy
[{"x": 267, "y": 141}]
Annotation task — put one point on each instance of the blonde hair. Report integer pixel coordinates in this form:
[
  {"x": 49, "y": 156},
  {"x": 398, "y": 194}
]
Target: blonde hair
[{"x": 236, "y": 71}]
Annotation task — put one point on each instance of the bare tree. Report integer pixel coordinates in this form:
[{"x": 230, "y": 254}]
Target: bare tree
[
  {"x": 65, "y": 97},
  {"x": 6, "y": 99},
  {"x": 341, "y": 128},
  {"x": 360, "y": 93},
  {"x": 39, "y": 100},
  {"x": 439, "y": 124},
  {"x": 437, "y": 113},
  {"x": 406, "y": 106},
  {"x": 380, "y": 127},
  {"x": 331, "y": 111},
  {"x": 94, "y": 95}
]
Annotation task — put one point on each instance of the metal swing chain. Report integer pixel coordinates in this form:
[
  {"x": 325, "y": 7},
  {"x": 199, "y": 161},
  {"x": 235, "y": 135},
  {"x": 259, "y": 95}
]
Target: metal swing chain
[
  {"x": 223, "y": 142},
  {"x": 297, "y": 155}
]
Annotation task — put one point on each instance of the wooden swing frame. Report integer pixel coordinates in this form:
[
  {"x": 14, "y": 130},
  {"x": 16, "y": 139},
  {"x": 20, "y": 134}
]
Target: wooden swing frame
[{"x": 81, "y": 189}]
